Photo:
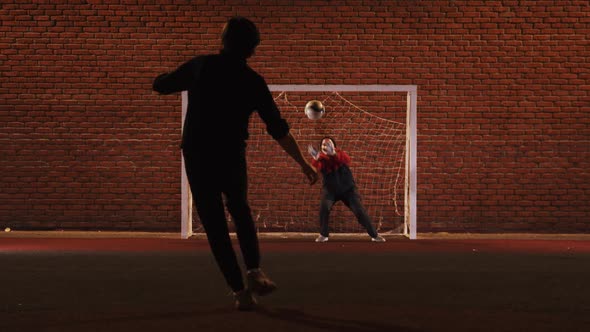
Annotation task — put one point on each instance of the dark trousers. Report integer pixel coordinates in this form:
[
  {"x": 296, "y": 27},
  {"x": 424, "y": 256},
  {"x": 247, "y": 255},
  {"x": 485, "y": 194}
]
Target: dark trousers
[
  {"x": 352, "y": 200},
  {"x": 210, "y": 178}
]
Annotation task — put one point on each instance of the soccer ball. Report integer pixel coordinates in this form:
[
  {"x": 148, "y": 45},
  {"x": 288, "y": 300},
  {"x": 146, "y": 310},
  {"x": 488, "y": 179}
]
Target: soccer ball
[{"x": 314, "y": 109}]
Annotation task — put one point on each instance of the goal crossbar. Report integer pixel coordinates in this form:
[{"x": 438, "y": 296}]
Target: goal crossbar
[
  {"x": 344, "y": 88},
  {"x": 410, "y": 229}
]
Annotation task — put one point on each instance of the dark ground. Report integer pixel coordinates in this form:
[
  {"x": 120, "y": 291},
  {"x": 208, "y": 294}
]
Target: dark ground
[{"x": 84, "y": 283}]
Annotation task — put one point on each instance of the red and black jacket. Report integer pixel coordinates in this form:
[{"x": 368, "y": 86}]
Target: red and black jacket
[{"x": 337, "y": 177}]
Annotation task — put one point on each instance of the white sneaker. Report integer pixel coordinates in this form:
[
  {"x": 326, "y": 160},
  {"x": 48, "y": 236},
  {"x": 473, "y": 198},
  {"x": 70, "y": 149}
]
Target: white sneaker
[
  {"x": 321, "y": 238},
  {"x": 378, "y": 238}
]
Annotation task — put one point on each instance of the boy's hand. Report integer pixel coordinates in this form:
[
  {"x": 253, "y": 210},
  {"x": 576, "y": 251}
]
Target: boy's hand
[
  {"x": 312, "y": 151},
  {"x": 330, "y": 149}
]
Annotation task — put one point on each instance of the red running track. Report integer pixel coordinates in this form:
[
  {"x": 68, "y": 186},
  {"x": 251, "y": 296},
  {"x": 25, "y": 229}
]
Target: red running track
[{"x": 296, "y": 245}]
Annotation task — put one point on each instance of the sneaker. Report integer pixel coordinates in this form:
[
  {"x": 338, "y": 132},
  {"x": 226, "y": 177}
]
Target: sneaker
[
  {"x": 244, "y": 301},
  {"x": 259, "y": 283},
  {"x": 378, "y": 238},
  {"x": 321, "y": 238}
]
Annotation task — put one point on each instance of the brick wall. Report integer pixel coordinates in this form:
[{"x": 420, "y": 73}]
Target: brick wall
[{"x": 504, "y": 115}]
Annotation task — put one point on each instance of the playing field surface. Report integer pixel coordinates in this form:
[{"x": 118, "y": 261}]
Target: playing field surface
[{"x": 84, "y": 282}]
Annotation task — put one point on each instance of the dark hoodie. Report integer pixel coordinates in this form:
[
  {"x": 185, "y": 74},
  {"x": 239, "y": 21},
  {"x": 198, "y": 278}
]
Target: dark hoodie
[{"x": 223, "y": 91}]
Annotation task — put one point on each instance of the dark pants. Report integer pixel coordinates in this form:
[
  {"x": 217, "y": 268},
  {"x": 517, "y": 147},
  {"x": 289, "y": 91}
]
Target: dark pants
[
  {"x": 352, "y": 200},
  {"x": 210, "y": 178}
]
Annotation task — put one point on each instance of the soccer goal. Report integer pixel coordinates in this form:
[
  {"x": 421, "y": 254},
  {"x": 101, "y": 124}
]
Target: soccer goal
[{"x": 374, "y": 124}]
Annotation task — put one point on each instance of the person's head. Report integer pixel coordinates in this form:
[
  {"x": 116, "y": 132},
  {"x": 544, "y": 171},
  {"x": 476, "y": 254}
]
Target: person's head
[
  {"x": 326, "y": 143},
  {"x": 240, "y": 37}
]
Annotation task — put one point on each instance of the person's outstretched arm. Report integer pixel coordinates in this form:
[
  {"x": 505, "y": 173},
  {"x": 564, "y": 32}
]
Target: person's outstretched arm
[
  {"x": 178, "y": 80},
  {"x": 290, "y": 145},
  {"x": 278, "y": 128}
]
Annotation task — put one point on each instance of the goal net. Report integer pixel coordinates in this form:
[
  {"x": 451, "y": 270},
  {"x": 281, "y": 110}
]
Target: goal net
[{"x": 374, "y": 124}]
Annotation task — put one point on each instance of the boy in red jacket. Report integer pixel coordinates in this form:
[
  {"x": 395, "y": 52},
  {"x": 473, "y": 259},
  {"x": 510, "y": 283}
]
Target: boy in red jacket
[{"x": 338, "y": 185}]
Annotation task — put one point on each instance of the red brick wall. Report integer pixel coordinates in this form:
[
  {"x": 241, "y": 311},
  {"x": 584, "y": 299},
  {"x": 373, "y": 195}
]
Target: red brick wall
[{"x": 504, "y": 116}]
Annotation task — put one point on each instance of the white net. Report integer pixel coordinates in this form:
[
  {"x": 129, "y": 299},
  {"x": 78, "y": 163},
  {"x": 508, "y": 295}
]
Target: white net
[{"x": 369, "y": 126}]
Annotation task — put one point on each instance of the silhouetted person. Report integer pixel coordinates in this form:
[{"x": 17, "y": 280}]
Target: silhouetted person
[{"x": 223, "y": 91}]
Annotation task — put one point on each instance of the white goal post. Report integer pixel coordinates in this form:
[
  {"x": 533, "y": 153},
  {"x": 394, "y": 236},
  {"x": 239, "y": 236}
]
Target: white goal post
[{"x": 410, "y": 229}]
